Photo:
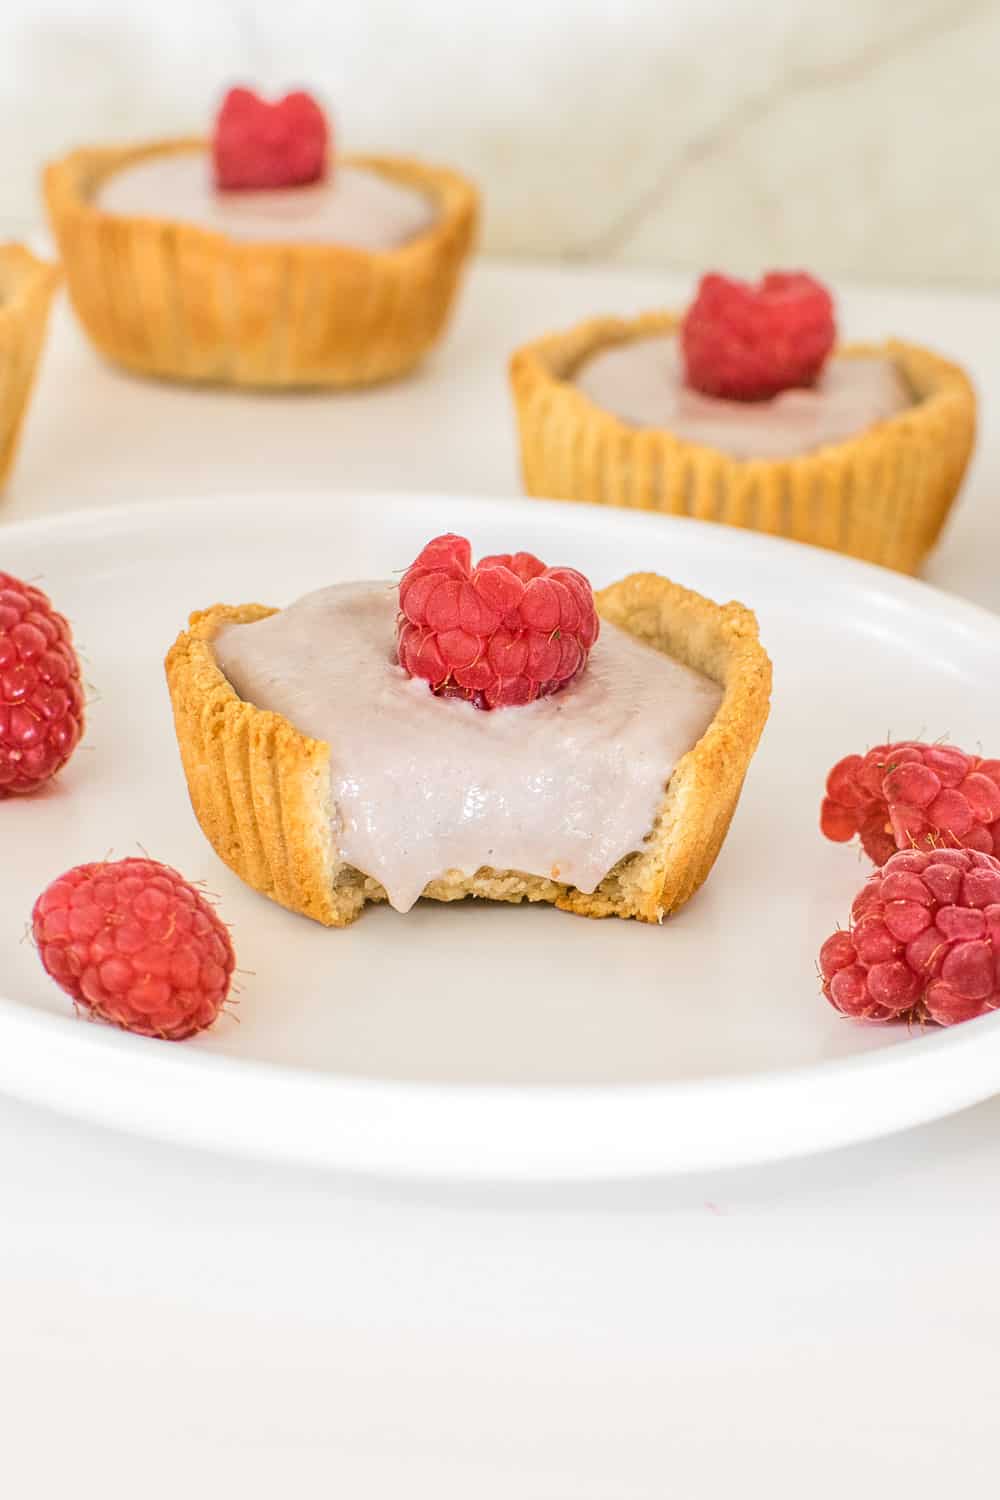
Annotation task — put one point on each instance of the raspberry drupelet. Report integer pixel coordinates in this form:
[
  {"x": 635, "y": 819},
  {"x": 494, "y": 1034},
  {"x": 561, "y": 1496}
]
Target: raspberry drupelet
[
  {"x": 502, "y": 633},
  {"x": 136, "y": 945},
  {"x": 924, "y": 944},
  {"x": 911, "y": 795},
  {"x": 746, "y": 342},
  {"x": 41, "y": 694}
]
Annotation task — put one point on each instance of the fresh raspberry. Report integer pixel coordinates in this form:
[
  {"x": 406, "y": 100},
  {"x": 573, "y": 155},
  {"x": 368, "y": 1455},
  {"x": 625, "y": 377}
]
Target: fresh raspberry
[
  {"x": 504, "y": 632},
  {"x": 924, "y": 944},
  {"x": 746, "y": 343},
  {"x": 261, "y": 145},
  {"x": 41, "y": 696},
  {"x": 913, "y": 796},
  {"x": 136, "y": 945}
]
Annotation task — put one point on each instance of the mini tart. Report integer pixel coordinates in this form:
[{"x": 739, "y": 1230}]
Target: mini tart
[
  {"x": 168, "y": 298},
  {"x": 26, "y": 288},
  {"x": 882, "y": 496},
  {"x": 262, "y": 791}
]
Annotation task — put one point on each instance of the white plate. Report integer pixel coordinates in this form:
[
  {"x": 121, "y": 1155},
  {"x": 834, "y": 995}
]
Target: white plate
[{"x": 473, "y": 1040}]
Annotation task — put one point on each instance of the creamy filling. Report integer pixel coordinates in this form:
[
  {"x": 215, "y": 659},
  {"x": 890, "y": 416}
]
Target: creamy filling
[
  {"x": 422, "y": 786},
  {"x": 642, "y": 381},
  {"x": 351, "y": 207}
]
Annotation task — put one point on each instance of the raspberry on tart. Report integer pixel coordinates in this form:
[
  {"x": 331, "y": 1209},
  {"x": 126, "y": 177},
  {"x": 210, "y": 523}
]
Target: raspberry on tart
[
  {"x": 505, "y": 632},
  {"x": 748, "y": 342},
  {"x": 924, "y": 941},
  {"x": 41, "y": 694},
  {"x": 259, "y": 144},
  {"x": 135, "y": 945},
  {"x": 911, "y": 795}
]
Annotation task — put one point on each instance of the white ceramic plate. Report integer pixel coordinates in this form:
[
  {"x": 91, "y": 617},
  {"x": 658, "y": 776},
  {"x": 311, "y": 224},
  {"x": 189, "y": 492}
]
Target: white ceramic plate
[{"x": 473, "y": 1040}]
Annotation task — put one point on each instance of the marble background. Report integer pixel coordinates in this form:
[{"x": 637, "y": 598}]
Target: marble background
[{"x": 859, "y": 137}]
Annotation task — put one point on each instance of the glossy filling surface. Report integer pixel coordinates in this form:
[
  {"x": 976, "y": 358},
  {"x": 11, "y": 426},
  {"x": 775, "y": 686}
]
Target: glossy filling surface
[
  {"x": 350, "y": 207},
  {"x": 642, "y": 381},
  {"x": 562, "y": 788}
]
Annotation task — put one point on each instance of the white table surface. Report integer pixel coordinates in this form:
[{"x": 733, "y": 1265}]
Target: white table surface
[{"x": 181, "y": 1323}]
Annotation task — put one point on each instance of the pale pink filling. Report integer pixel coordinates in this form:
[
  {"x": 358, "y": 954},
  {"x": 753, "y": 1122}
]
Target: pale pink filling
[
  {"x": 642, "y": 381},
  {"x": 422, "y": 785},
  {"x": 351, "y": 207}
]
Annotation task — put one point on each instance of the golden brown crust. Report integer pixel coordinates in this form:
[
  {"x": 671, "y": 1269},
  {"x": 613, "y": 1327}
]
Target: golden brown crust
[
  {"x": 262, "y": 793},
  {"x": 882, "y": 496},
  {"x": 26, "y": 288},
  {"x": 172, "y": 299}
]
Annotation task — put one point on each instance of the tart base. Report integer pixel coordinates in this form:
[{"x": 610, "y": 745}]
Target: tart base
[
  {"x": 171, "y": 299},
  {"x": 882, "y": 496},
  {"x": 262, "y": 791},
  {"x": 26, "y": 288}
]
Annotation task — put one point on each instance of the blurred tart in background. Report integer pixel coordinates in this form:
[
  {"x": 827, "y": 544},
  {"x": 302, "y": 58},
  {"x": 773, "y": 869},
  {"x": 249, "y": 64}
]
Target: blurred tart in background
[
  {"x": 260, "y": 257},
  {"x": 26, "y": 288},
  {"x": 746, "y": 411}
]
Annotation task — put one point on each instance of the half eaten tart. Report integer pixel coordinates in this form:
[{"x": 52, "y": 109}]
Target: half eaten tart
[{"x": 327, "y": 776}]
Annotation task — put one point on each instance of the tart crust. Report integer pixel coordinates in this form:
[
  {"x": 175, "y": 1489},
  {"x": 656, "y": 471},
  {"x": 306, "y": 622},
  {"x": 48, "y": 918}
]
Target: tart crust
[
  {"x": 262, "y": 791},
  {"x": 26, "y": 288},
  {"x": 172, "y": 299},
  {"x": 883, "y": 495}
]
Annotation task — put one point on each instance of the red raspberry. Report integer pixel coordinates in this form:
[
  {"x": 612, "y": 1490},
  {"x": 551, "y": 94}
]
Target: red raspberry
[
  {"x": 747, "y": 343},
  {"x": 261, "y": 145},
  {"x": 136, "y": 945},
  {"x": 913, "y": 796},
  {"x": 41, "y": 696},
  {"x": 925, "y": 941},
  {"x": 504, "y": 632}
]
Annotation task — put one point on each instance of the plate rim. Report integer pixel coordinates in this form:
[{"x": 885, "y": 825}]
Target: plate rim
[{"x": 123, "y": 1090}]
